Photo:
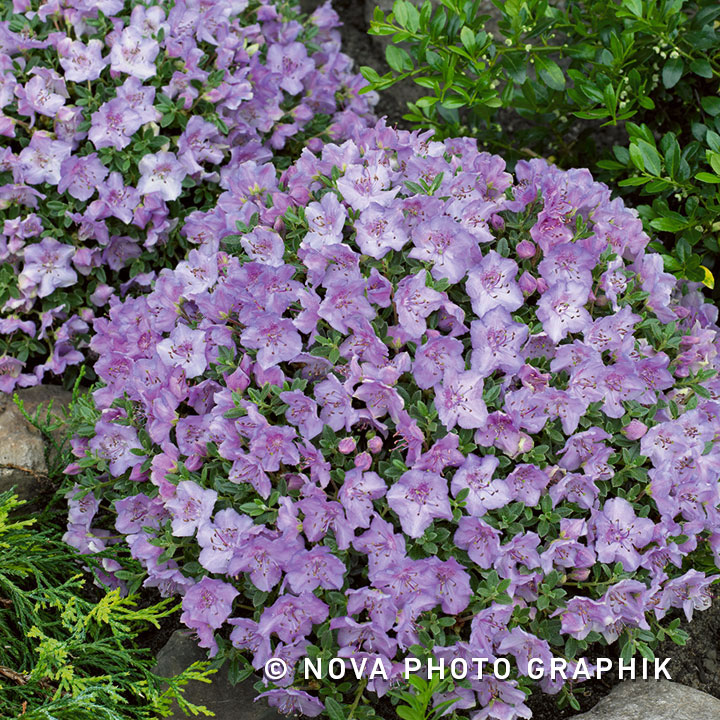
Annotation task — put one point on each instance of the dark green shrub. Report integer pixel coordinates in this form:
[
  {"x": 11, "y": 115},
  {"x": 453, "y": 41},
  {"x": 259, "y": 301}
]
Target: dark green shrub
[{"x": 628, "y": 89}]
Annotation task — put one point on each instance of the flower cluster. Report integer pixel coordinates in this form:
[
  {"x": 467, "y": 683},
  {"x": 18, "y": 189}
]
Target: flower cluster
[
  {"x": 120, "y": 120},
  {"x": 415, "y": 405}
]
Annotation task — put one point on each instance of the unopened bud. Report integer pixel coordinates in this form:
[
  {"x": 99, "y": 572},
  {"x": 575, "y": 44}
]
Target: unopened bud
[
  {"x": 347, "y": 445},
  {"x": 635, "y": 430},
  {"x": 375, "y": 444},
  {"x": 363, "y": 461},
  {"x": 525, "y": 249},
  {"x": 527, "y": 283}
]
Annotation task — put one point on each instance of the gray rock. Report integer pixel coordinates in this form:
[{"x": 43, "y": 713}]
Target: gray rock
[
  {"x": 654, "y": 700},
  {"x": 22, "y": 453},
  {"x": 228, "y": 702}
]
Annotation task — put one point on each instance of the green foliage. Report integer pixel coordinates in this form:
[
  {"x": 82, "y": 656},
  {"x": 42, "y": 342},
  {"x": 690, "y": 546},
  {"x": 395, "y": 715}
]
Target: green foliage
[
  {"x": 418, "y": 704},
  {"x": 568, "y": 70},
  {"x": 69, "y": 651}
]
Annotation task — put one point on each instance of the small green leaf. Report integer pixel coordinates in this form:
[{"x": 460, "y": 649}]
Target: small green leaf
[
  {"x": 666, "y": 224},
  {"x": 333, "y": 707},
  {"x": 398, "y": 59},
  {"x": 702, "y": 68},
  {"x": 707, "y": 177},
  {"x": 650, "y": 157},
  {"x": 467, "y": 37},
  {"x": 400, "y": 12},
  {"x": 672, "y": 72},
  {"x": 711, "y": 105},
  {"x": 550, "y": 73},
  {"x": 634, "y": 6}
]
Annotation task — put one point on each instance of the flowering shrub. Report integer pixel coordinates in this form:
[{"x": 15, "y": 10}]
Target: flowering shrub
[
  {"x": 435, "y": 410},
  {"x": 121, "y": 121}
]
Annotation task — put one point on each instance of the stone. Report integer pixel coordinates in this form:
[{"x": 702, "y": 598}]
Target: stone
[
  {"x": 52, "y": 401},
  {"x": 654, "y": 700},
  {"x": 22, "y": 453},
  {"x": 228, "y": 702}
]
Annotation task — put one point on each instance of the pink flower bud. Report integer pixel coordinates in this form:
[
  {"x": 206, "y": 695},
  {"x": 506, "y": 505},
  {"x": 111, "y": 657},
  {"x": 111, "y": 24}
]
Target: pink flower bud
[
  {"x": 363, "y": 461},
  {"x": 347, "y": 445},
  {"x": 525, "y": 249},
  {"x": 497, "y": 222},
  {"x": 542, "y": 285},
  {"x": 635, "y": 430},
  {"x": 580, "y": 574},
  {"x": 527, "y": 283},
  {"x": 375, "y": 444}
]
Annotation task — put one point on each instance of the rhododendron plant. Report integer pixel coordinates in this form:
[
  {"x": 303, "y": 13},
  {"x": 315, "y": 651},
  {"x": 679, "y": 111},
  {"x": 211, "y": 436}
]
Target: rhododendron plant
[
  {"x": 119, "y": 121},
  {"x": 402, "y": 403}
]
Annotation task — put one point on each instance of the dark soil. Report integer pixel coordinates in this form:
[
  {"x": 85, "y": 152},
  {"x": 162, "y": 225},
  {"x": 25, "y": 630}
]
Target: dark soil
[{"x": 365, "y": 49}]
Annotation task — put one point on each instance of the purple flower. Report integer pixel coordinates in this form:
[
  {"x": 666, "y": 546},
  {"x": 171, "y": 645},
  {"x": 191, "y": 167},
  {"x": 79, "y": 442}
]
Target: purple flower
[
  {"x": 292, "y": 63},
  {"x": 336, "y": 405},
  {"x": 208, "y": 601},
  {"x": 311, "y": 569},
  {"x": 689, "y": 592},
  {"x": 343, "y": 301},
  {"x": 418, "y": 497},
  {"x": 184, "y": 348},
  {"x": 584, "y": 616},
  {"x": 491, "y": 284},
  {"x": 414, "y": 301},
  {"x": 561, "y": 310},
  {"x": 527, "y": 483},
  {"x": 47, "y": 265},
  {"x": 113, "y": 125},
  {"x": 115, "y": 443},
  {"x": 79, "y": 61},
  {"x": 263, "y": 560},
  {"x": 619, "y": 532},
  {"x": 291, "y": 617},
  {"x": 480, "y": 540},
  {"x": 44, "y": 93},
  {"x": 302, "y": 412},
  {"x": 434, "y": 357},
  {"x": 161, "y": 173},
  {"x": 459, "y": 400},
  {"x": 452, "y": 585},
  {"x": 497, "y": 342},
  {"x": 134, "y": 54},
  {"x": 190, "y": 507},
  {"x": 379, "y": 230},
  {"x": 40, "y": 161},
  {"x": 221, "y": 538},
  {"x": 139, "y": 98},
  {"x": 81, "y": 175},
  {"x": 115, "y": 200},
  {"x": 356, "y": 494},
  {"x": 275, "y": 338},
  {"x": 476, "y": 475},
  {"x": 445, "y": 244},
  {"x": 289, "y": 701},
  {"x": 274, "y": 445}
]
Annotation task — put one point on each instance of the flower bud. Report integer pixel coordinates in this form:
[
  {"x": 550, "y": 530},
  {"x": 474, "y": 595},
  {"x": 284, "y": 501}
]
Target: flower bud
[
  {"x": 525, "y": 249},
  {"x": 363, "y": 461},
  {"x": 635, "y": 430},
  {"x": 375, "y": 444},
  {"x": 347, "y": 445},
  {"x": 497, "y": 222},
  {"x": 542, "y": 285},
  {"x": 580, "y": 574},
  {"x": 527, "y": 283}
]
